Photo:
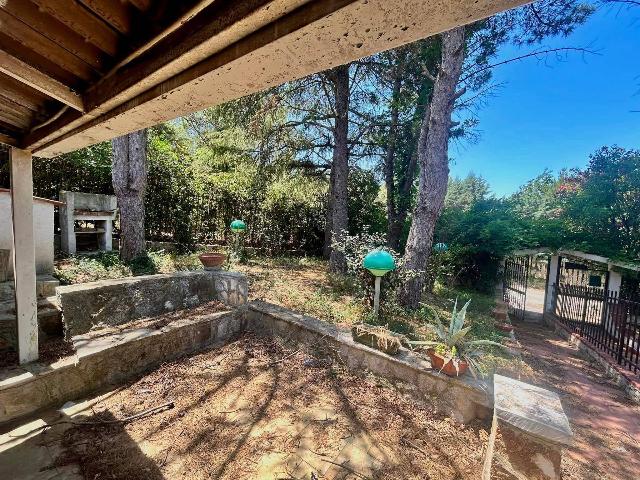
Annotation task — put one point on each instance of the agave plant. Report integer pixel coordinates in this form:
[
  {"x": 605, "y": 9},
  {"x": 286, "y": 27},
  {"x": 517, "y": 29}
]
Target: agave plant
[{"x": 453, "y": 343}]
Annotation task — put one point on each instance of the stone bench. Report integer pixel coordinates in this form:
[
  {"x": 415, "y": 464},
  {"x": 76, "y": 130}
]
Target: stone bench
[{"x": 533, "y": 426}]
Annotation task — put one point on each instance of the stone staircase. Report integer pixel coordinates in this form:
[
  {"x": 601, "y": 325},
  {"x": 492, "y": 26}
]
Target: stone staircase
[{"x": 49, "y": 313}]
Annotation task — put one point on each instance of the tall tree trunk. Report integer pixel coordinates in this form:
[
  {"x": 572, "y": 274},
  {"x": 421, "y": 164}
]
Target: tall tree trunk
[
  {"x": 393, "y": 233},
  {"x": 340, "y": 165},
  {"x": 129, "y": 176},
  {"x": 433, "y": 158},
  {"x": 328, "y": 222},
  {"x": 405, "y": 183}
]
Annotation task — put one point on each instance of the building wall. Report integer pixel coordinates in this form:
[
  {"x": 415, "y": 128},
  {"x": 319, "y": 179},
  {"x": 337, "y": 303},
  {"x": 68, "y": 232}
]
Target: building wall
[{"x": 43, "y": 232}]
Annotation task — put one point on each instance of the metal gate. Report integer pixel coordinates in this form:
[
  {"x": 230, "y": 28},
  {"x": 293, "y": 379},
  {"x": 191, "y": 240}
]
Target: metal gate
[{"x": 516, "y": 275}]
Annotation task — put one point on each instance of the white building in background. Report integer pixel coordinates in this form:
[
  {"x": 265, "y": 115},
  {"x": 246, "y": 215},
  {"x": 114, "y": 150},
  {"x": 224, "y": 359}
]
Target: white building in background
[{"x": 42, "y": 229}]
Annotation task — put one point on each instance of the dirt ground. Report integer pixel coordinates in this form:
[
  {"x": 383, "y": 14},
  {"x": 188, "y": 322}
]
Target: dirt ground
[
  {"x": 302, "y": 284},
  {"x": 255, "y": 409},
  {"x": 605, "y": 423}
]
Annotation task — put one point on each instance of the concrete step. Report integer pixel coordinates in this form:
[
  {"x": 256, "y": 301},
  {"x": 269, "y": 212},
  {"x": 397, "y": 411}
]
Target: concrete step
[
  {"x": 49, "y": 320},
  {"x": 45, "y": 287}
]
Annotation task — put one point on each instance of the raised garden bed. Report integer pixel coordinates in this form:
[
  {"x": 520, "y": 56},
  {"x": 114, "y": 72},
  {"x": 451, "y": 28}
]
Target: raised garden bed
[{"x": 257, "y": 408}]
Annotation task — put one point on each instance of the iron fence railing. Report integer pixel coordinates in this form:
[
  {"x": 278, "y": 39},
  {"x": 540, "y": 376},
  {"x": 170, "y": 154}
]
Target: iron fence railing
[{"x": 609, "y": 322}]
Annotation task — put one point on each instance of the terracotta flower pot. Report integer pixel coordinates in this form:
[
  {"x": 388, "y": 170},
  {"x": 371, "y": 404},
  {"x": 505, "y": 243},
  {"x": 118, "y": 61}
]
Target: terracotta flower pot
[
  {"x": 437, "y": 362},
  {"x": 504, "y": 327},
  {"x": 212, "y": 259}
]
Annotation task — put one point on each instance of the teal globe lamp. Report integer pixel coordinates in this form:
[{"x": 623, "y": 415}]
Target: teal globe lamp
[
  {"x": 441, "y": 247},
  {"x": 238, "y": 226},
  {"x": 378, "y": 262}
]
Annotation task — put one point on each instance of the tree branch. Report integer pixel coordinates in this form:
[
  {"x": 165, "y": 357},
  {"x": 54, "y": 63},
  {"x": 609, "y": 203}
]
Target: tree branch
[{"x": 522, "y": 57}]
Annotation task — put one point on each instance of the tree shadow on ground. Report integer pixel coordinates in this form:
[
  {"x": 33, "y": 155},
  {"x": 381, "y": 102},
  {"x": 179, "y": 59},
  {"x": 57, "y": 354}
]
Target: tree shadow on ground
[{"x": 101, "y": 448}]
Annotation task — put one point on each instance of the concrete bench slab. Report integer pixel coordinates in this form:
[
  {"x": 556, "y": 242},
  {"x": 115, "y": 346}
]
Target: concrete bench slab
[
  {"x": 531, "y": 409},
  {"x": 533, "y": 427}
]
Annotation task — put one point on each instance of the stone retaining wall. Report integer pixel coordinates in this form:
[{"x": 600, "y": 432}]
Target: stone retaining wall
[
  {"x": 115, "y": 302},
  {"x": 461, "y": 398},
  {"x": 109, "y": 360}
]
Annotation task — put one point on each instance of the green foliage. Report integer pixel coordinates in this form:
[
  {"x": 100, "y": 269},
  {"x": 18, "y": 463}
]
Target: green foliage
[
  {"x": 366, "y": 211},
  {"x": 479, "y": 231},
  {"x": 107, "y": 265},
  {"x": 601, "y": 205},
  {"x": 85, "y": 170},
  {"x": 355, "y": 248}
]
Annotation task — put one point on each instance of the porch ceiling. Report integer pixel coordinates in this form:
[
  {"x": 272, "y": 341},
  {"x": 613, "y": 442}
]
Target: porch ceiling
[{"x": 76, "y": 72}]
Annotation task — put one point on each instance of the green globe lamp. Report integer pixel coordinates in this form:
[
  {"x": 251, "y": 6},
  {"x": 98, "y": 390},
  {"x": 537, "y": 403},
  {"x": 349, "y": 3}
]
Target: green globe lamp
[
  {"x": 441, "y": 247},
  {"x": 238, "y": 226},
  {"x": 378, "y": 262}
]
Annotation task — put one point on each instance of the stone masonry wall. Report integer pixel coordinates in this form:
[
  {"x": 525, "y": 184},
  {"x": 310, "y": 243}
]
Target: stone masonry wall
[
  {"x": 115, "y": 302},
  {"x": 462, "y": 398}
]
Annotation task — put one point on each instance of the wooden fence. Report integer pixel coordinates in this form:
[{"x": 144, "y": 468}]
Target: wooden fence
[{"x": 609, "y": 322}]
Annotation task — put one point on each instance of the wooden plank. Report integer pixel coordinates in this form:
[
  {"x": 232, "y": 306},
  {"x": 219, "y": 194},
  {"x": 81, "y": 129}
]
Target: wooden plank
[
  {"x": 20, "y": 93},
  {"x": 117, "y": 14},
  {"x": 8, "y": 104},
  {"x": 79, "y": 19},
  {"x": 207, "y": 24},
  {"x": 12, "y": 118},
  {"x": 9, "y": 129},
  {"x": 24, "y": 260},
  {"x": 142, "y": 5},
  {"x": 8, "y": 140},
  {"x": 34, "y": 78},
  {"x": 33, "y": 40},
  {"x": 43, "y": 64},
  {"x": 56, "y": 31}
]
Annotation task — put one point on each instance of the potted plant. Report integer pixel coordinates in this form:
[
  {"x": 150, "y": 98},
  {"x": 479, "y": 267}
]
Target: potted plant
[
  {"x": 212, "y": 260},
  {"x": 454, "y": 353}
]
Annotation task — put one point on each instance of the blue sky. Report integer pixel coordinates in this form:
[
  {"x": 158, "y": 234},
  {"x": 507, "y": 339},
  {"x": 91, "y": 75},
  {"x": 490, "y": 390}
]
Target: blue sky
[{"x": 554, "y": 114}]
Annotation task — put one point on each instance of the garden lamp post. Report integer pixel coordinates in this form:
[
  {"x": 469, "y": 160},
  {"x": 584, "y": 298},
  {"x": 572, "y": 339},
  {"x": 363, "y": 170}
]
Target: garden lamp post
[
  {"x": 378, "y": 262},
  {"x": 238, "y": 227}
]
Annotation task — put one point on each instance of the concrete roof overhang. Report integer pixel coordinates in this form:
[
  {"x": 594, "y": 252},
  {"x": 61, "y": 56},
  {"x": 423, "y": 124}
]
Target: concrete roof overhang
[{"x": 195, "y": 55}]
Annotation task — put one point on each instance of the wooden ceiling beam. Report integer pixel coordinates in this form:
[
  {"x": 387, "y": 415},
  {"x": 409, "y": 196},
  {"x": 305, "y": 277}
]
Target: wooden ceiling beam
[
  {"x": 34, "y": 78},
  {"x": 12, "y": 118},
  {"x": 40, "y": 44},
  {"x": 117, "y": 14},
  {"x": 45, "y": 65},
  {"x": 175, "y": 44},
  {"x": 18, "y": 109},
  {"x": 82, "y": 21},
  {"x": 9, "y": 129},
  {"x": 8, "y": 140},
  {"x": 56, "y": 31},
  {"x": 142, "y": 5},
  {"x": 20, "y": 93}
]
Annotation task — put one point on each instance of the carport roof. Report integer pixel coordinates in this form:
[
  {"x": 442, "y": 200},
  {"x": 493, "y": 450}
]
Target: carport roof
[
  {"x": 76, "y": 72},
  {"x": 584, "y": 256}
]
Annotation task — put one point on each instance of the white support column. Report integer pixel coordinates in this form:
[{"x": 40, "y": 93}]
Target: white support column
[
  {"x": 615, "y": 281},
  {"x": 67, "y": 224},
  {"x": 552, "y": 275},
  {"x": 108, "y": 236},
  {"x": 24, "y": 262}
]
